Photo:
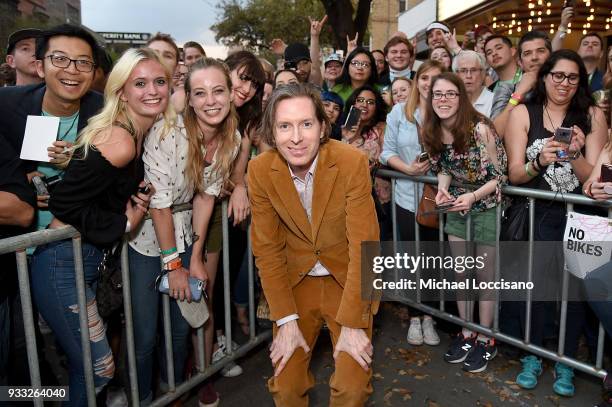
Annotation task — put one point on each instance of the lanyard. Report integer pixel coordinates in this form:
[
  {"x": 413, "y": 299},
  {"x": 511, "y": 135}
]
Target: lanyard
[{"x": 517, "y": 76}]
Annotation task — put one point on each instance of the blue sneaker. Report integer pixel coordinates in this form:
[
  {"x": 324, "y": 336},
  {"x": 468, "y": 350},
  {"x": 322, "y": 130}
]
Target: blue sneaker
[
  {"x": 532, "y": 368},
  {"x": 564, "y": 384}
]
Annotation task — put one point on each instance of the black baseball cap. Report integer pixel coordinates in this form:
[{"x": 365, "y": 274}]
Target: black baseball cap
[
  {"x": 297, "y": 52},
  {"x": 19, "y": 35}
]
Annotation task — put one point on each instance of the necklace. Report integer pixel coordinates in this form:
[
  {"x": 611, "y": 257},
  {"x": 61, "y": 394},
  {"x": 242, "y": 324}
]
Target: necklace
[
  {"x": 76, "y": 116},
  {"x": 550, "y": 120}
]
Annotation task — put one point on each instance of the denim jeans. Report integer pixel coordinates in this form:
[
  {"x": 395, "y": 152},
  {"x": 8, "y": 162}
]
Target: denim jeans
[
  {"x": 598, "y": 285},
  {"x": 146, "y": 311},
  {"x": 54, "y": 291}
]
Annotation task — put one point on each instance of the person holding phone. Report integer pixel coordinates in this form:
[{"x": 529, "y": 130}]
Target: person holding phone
[
  {"x": 190, "y": 156},
  {"x": 464, "y": 147},
  {"x": 561, "y": 98},
  {"x": 99, "y": 197},
  {"x": 364, "y": 128},
  {"x": 402, "y": 151}
]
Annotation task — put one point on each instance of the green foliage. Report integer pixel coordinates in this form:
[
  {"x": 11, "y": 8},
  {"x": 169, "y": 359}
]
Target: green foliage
[{"x": 255, "y": 23}]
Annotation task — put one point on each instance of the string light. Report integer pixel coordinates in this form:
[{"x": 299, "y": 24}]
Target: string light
[
  {"x": 539, "y": 19},
  {"x": 548, "y": 12},
  {"x": 529, "y": 28},
  {"x": 518, "y": 29}
]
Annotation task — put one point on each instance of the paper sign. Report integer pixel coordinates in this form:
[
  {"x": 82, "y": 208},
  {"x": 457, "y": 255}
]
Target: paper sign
[{"x": 40, "y": 133}]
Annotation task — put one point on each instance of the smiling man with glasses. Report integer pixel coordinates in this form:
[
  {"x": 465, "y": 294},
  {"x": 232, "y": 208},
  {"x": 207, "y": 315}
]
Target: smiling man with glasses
[{"x": 65, "y": 59}]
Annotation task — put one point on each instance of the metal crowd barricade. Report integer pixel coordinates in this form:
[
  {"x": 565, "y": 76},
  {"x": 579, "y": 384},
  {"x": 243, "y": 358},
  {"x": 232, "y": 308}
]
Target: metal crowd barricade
[
  {"x": 19, "y": 244},
  {"x": 523, "y": 343}
]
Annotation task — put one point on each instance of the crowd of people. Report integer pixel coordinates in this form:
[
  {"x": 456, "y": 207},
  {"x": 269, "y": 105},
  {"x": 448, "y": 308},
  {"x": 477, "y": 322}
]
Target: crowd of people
[{"x": 176, "y": 127}]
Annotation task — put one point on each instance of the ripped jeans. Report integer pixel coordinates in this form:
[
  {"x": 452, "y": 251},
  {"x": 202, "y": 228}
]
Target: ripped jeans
[{"x": 54, "y": 291}]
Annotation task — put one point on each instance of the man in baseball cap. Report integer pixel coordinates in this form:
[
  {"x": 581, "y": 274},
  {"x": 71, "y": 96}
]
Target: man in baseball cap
[
  {"x": 20, "y": 55},
  {"x": 297, "y": 58},
  {"x": 435, "y": 34}
]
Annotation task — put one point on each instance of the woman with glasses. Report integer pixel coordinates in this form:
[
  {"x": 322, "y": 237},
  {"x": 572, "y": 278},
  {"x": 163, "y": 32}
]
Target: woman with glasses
[
  {"x": 561, "y": 99},
  {"x": 368, "y": 137},
  {"x": 99, "y": 196},
  {"x": 359, "y": 70},
  {"x": 401, "y": 150},
  {"x": 464, "y": 147}
]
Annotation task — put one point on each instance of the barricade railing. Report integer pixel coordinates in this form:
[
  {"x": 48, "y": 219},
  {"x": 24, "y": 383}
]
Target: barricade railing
[
  {"x": 19, "y": 244},
  {"x": 523, "y": 343}
]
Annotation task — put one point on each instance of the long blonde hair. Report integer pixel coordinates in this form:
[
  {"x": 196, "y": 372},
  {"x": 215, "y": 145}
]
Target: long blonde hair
[
  {"x": 114, "y": 107},
  {"x": 413, "y": 101},
  {"x": 227, "y": 141}
]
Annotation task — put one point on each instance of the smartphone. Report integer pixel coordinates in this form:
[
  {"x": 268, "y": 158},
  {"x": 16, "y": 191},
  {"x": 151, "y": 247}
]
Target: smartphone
[
  {"x": 445, "y": 206},
  {"x": 568, "y": 3},
  {"x": 39, "y": 184},
  {"x": 424, "y": 156},
  {"x": 145, "y": 190},
  {"x": 606, "y": 173},
  {"x": 352, "y": 119},
  {"x": 291, "y": 65},
  {"x": 563, "y": 135}
]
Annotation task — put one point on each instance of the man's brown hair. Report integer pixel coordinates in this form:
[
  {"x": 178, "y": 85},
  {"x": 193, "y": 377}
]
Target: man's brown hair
[{"x": 291, "y": 91}]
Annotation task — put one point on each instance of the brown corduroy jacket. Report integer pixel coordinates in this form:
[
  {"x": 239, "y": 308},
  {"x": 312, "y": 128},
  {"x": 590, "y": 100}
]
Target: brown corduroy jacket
[{"x": 287, "y": 245}]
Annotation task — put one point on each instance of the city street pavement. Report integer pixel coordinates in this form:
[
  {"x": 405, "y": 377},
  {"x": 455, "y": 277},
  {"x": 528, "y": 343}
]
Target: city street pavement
[{"x": 405, "y": 375}]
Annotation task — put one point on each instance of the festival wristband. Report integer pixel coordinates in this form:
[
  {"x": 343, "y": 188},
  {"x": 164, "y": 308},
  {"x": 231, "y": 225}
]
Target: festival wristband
[
  {"x": 170, "y": 257},
  {"x": 168, "y": 251},
  {"x": 514, "y": 102},
  {"x": 173, "y": 265},
  {"x": 529, "y": 173}
]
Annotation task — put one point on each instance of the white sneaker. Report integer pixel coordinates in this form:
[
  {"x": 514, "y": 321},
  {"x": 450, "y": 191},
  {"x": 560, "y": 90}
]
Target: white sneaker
[
  {"x": 430, "y": 336},
  {"x": 116, "y": 397},
  {"x": 415, "y": 335},
  {"x": 231, "y": 369}
]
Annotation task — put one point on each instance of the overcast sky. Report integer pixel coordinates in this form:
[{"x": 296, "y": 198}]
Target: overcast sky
[{"x": 185, "y": 20}]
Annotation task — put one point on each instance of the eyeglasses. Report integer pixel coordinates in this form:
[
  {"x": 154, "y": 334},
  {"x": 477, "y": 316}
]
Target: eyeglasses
[
  {"x": 361, "y": 99},
  {"x": 359, "y": 64},
  {"x": 61, "y": 61},
  {"x": 451, "y": 94},
  {"x": 471, "y": 71},
  {"x": 559, "y": 77}
]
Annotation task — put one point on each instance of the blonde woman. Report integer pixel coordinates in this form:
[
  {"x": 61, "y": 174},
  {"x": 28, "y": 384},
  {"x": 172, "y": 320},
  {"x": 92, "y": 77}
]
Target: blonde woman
[{"x": 98, "y": 196}]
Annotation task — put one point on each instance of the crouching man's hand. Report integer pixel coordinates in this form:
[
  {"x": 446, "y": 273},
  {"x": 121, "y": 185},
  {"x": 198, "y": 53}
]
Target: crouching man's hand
[
  {"x": 356, "y": 343},
  {"x": 288, "y": 339}
]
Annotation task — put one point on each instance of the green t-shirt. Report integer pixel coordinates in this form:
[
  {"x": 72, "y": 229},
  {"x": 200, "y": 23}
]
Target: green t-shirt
[
  {"x": 68, "y": 132},
  {"x": 345, "y": 90}
]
